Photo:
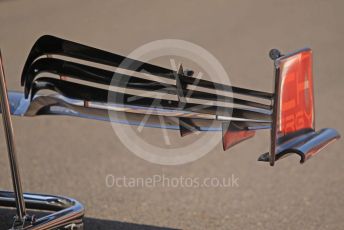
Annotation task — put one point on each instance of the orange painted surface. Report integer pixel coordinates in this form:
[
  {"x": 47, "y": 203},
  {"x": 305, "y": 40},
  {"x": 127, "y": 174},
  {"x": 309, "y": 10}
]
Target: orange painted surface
[{"x": 296, "y": 108}]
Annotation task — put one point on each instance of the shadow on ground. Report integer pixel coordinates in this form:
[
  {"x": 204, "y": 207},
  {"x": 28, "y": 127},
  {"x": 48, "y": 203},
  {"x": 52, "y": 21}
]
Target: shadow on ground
[{"x": 92, "y": 223}]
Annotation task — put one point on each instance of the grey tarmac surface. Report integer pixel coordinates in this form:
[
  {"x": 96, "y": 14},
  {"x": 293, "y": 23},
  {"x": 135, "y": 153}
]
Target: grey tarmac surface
[{"x": 63, "y": 155}]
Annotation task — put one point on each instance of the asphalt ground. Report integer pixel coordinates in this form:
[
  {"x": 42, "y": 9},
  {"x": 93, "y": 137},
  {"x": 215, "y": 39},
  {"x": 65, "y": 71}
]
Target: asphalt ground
[{"x": 72, "y": 157}]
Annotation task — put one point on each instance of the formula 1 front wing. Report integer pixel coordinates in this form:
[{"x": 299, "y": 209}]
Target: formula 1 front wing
[{"x": 81, "y": 88}]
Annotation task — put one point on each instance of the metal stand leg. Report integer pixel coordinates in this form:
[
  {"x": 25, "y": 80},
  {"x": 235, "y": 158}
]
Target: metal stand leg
[
  {"x": 6, "y": 117},
  {"x": 67, "y": 213}
]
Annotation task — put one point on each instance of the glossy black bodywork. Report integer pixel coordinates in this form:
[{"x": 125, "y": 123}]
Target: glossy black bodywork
[
  {"x": 252, "y": 112},
  {"x": 106, "y": 77},
  {"x": 88, "y": 93},
  {"x": 49, "y": 45}
]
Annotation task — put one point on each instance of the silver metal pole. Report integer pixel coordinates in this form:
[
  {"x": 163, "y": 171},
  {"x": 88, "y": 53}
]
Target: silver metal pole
[{"x": 6, "y": 117}]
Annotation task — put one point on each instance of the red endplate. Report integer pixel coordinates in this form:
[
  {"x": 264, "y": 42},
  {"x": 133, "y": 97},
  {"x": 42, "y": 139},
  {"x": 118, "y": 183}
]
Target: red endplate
[{"x": 296, "y": 108}]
